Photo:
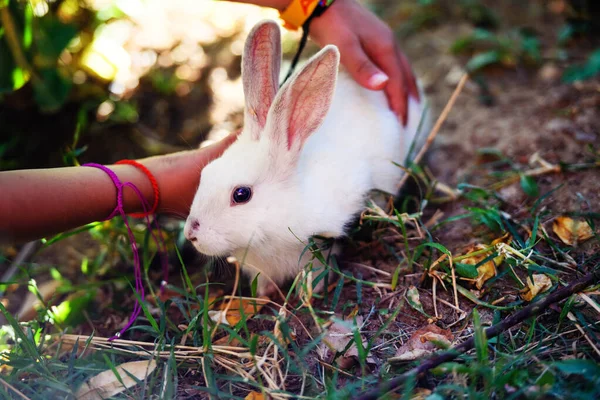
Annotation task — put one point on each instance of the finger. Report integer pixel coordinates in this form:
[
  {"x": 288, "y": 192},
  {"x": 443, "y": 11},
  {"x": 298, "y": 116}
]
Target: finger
[
  {"x": 409, "y": 77},
  {"x": 384, "y": 53},
  {"x": 403, "y": 89},
  {"x": 360, "y": 66},
  {"x": 395, "y": 90},
  {"x": 213, "y": 151},
  {"x": 216, "y": 149}
]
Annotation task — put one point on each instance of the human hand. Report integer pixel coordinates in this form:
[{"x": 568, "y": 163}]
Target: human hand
[
  {"x": 178, "y": 174},
  {"x": 368, "y": 50}
]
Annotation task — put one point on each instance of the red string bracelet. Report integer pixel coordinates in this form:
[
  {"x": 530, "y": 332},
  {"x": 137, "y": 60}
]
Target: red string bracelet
[
  {"x": 153, "y": 182},
  {"x": 160, "y": 244}
]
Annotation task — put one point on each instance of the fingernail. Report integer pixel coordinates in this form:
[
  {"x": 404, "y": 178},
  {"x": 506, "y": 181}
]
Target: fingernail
[{"x": 378, "y": 79}]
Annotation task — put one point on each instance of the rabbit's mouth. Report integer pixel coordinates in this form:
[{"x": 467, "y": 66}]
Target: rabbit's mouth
[
  {"x": 211, "y": 249},
  {"x": 212, "y": 245}
]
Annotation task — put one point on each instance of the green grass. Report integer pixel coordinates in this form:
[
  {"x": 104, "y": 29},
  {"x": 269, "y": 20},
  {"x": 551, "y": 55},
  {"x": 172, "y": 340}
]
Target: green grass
[{"x": 545, "y": 357}]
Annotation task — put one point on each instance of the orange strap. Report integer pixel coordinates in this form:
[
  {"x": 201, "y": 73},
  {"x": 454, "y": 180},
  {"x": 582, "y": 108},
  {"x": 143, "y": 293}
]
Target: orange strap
[
  {"x": 152, "y": 182},
  {"x": 297, "y": 13}
]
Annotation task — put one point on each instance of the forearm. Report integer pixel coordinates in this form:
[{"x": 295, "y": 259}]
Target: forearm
[
  {"x": 37, "y": 203},
  {"x": 277, "y": 4}
]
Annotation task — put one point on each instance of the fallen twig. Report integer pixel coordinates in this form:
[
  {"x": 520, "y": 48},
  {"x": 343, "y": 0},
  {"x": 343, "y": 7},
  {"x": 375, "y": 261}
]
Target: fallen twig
[
  {"x": 530, "y": 311},
  {"x": 438, "y": 124},
  {"x": 14, "y": 389},
  {"x": 24, "y": 254}
]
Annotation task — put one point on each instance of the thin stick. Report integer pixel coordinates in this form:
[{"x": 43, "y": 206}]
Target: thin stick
[
  {"x": 14, "y": 389},
  {"x": 24, "y": 254},
  {"x": 580, "y": 329},
  {"x": 531, "y": 310},
  {"x": 438, "y": 124}
]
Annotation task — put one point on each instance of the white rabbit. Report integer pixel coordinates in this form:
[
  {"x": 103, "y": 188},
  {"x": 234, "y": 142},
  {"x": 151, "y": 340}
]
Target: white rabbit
[{"x": 306, "y": 160}]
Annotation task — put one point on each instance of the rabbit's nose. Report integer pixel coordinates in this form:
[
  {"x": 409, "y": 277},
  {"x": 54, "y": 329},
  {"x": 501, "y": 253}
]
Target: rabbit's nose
[{"x": 190, "y": 232}]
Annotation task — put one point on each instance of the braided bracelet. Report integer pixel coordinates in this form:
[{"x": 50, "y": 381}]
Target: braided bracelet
[
  {"x": 152, "y": 182},
  {"x": 119, "y": 210}
]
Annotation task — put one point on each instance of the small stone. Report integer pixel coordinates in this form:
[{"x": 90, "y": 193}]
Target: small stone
[
  {"x": 560, "y": 125},
  {"x": 549, "y": 73},
  {"x": 585, "y": 137}
]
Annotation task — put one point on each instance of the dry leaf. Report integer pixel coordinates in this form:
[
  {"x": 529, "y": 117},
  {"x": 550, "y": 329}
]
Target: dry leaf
[
  {"x": 420, "y": 394},
  {"x": 32, "y": 302},
  {"x": 5, "y": 369},
  {"x": 486, "y": 270},
  {"x": 338, "y": 336},
  {"x": 255, "y": 396},
  {"x": 412, "y": 295},
  {"x": 232, "y": 315},
  {"x": 572, "y": 231},
  {"x": 106, "y": 384},
  {"x": 423, "y": 342},
  {"x": 540, "y": 284},
  {"x": 227, "y": 341}
]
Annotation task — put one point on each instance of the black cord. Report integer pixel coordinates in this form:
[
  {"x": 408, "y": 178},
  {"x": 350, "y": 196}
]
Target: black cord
[
  {"x": 303, "y": 40},
  {"x": 318, "y": 11}
]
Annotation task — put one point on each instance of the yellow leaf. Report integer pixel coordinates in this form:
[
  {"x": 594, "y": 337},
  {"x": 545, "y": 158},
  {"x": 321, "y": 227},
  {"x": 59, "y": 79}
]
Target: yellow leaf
[
  {"x": 106, "y": 385},
  {"x": 571, "y": 231},
  {"x": 486, "y": 270},
  {"x": 540, "y": 284},
  {"x": 232, "y": 314},
  {"x": 255, "y": 396}
]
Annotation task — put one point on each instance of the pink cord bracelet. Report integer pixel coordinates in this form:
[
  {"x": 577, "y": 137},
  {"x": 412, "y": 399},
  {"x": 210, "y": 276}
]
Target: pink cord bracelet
[{"x": 119, "y": 210}]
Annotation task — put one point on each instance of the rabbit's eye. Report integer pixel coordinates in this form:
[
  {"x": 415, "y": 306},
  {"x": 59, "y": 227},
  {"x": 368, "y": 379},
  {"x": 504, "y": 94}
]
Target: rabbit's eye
[{"x": 241, "y": 194}]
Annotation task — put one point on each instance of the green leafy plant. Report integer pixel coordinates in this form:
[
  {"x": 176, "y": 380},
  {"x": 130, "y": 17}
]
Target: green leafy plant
[
  {"x": 30, "y": 48},
  {"x": 588, "y": 70},
  {"x": 505, "y": 49}
]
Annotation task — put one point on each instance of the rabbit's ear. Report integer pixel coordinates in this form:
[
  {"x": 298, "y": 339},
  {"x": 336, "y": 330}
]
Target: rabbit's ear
[
  {"x": 303, "y": 102},
  {"x": 260, "y": 74}
]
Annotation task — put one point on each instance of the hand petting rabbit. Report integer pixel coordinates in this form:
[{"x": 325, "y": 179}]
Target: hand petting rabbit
[{"x": 308, "y": 156}]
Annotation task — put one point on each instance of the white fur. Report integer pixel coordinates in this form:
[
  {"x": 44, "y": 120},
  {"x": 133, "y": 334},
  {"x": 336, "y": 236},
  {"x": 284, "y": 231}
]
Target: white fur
[{"x": 350, "y": 154}]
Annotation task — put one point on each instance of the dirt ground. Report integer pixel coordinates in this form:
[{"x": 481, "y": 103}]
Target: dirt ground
[{"x": 520, "y": 113}]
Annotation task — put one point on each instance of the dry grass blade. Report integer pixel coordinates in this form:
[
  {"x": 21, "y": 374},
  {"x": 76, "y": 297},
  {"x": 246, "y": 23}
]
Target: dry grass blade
[
  {"x": 591, "y": 302},
  {"x": 585, "y": 335},
  {"x": 146, "y": 349}
]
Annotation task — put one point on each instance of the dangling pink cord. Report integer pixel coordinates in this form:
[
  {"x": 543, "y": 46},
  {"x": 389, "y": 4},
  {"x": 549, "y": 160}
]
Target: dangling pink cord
[{"x": 119, "y": 210}]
